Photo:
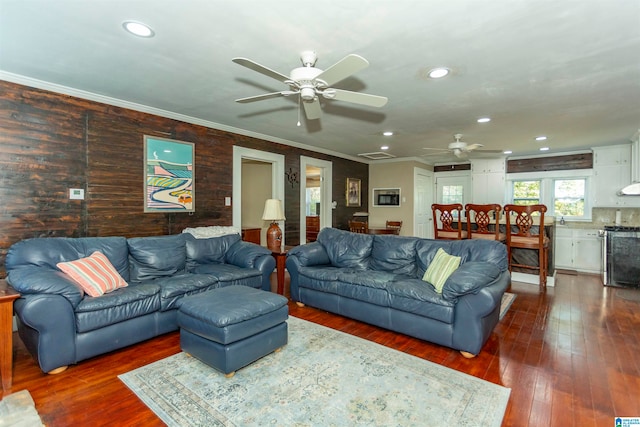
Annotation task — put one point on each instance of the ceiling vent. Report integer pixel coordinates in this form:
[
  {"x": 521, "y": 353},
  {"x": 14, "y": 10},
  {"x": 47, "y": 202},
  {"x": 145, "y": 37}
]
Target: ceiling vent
[{"x": 378, "y": 155}]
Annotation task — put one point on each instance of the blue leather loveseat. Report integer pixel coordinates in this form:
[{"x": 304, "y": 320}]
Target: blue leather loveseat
[
  {"x": 60, "y": 325},
  {"x": 378, "y": 280}
]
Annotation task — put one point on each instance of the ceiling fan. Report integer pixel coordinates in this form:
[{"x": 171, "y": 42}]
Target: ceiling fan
[
  {"x": 311, "y": 83},
  {"x": 459, "y": 148}
]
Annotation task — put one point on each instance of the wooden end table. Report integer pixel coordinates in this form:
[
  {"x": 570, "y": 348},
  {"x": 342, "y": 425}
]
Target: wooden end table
[
  {"x": 281, "y": 258},
  {"x": 7, "y": 296}
]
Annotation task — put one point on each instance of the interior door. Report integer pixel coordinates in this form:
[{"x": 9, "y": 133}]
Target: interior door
[{"x": 423, "y": 219}]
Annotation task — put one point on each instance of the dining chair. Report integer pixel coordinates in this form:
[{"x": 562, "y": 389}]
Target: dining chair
[
  {"x": 445, "y": 215},
  {"x": 358, "y": 227},
  {"x": 482, "y": 216},
  {"x": 525, "y": 230},
  {"x": 394, "y": 225}
]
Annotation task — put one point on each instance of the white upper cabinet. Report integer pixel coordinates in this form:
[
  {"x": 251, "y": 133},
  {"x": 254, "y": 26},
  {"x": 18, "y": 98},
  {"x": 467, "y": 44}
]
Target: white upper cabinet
[
  {"x": 488, "y": 181},
  {"x": 612, "y": 171}
]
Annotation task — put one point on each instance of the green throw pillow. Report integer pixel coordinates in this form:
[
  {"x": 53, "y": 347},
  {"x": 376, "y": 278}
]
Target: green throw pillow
[{"x": 440, "y": 269}]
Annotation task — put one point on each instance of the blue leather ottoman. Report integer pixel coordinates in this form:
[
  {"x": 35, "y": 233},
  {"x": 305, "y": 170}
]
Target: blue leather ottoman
[{"x": 231, "y": 327}]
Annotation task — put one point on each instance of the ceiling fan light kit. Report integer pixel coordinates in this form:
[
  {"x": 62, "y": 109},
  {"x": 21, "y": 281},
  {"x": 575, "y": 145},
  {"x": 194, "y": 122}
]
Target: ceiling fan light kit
[{"x": 310, "y": 82}]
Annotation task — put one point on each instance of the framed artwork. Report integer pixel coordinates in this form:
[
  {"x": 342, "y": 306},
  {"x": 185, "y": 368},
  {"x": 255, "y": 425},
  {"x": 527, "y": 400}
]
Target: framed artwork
[
  {"x": 353, "y": 192},
  {"x": 168, "y": 175}
]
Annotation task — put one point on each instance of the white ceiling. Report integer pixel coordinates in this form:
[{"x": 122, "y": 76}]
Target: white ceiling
[{"x": 566, "y": 69}]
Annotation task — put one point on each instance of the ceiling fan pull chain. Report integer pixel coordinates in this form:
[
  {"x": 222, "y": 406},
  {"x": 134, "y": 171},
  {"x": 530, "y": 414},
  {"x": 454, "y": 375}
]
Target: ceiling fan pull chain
[{"x": 299, "y": 107}]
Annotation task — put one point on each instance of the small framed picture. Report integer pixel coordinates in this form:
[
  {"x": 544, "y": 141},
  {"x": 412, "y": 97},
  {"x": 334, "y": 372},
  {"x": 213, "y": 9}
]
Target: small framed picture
[{"x": 353, "y": 192}]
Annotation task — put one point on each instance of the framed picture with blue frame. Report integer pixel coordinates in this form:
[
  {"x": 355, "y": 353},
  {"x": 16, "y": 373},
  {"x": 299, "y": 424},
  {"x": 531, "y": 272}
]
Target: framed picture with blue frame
[{"x": 169, "y": 175}]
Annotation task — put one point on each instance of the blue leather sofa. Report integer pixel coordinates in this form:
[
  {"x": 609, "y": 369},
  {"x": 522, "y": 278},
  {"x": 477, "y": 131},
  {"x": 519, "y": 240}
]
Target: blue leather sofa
[
  {"x": 378, "y": 280},
  {"x": 60, "y": 325}
]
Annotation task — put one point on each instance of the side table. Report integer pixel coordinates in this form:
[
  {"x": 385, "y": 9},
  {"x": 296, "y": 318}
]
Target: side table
[
  {"x": 7, "y": 296},
  {"x": 281, "y": 258}
]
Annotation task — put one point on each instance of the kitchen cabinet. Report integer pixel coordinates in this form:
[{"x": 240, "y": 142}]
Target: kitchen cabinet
[
  {"x": 488, "y": 181},
  {"x": 578, "y": 249},
  {"x": 612, "y": 172},
  {"x": 635, "y": 157}
]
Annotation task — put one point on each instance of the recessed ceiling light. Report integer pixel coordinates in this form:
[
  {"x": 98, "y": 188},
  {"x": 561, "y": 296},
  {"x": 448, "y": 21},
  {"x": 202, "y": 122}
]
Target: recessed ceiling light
[
  {"x": 544, "y": 148},
  {"x": 507, "y": 152},
  {"x": 387, "y": 133},
  {"x": 438, "y": 73},
  {"x": 384, "y": 147},
  {"x": 484, "y": 119},
  {"x": 541, "y": 138},
  {"x": 138, "y": 28}
]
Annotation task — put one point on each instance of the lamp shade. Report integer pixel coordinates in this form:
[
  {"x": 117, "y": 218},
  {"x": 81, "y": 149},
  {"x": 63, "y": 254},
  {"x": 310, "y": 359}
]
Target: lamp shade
[{"x": 273, "y": 210}]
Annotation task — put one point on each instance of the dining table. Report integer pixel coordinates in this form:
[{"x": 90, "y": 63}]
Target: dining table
[{"x": 383, "y": 230}]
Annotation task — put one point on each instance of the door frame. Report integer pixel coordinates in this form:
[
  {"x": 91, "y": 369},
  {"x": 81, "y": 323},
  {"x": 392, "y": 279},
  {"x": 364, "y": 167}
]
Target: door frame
[
  {"x": 326, "y": 193},
  {"x": 277, "y": 180}
]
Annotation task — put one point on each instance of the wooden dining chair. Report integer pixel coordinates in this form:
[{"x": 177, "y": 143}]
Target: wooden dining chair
[
  {"x": 358, "y": 227},
  {"x": 394, "y": 225},
  {"x": 443, "y": 217},
  {"x": 482, "y": 216},
  {"x": 525, "y": 230}
]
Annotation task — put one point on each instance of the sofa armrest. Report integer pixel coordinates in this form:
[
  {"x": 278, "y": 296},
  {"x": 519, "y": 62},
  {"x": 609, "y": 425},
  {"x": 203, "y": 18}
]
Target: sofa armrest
[
  {"x": 477, "y": 314},
  {"x": 42, "y": 280},
  {"x": 469, "y": 278},
  {"x": 47, "y": 327},
  {"x": 249, "y": 255},
  {"x": 310, "y": 254}
]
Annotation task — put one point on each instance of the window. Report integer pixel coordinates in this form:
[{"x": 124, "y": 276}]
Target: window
[
  {"x": 452, "y": 194},
  {"x": 568, "y": 197},
  {"x": 313, "y": 201},
  {"x": 564, "y": 193},
  {"x": 526, "y": 192}
]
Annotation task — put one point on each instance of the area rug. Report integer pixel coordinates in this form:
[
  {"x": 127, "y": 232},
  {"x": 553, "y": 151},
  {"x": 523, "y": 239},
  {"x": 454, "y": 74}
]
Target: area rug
[
  {"x": 322, "y": 377},
  {"x": 19, "y": 410},
  {"x": 505, "y": 303}
]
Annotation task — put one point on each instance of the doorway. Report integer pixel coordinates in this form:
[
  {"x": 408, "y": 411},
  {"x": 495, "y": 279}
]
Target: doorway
[
  {"x": 316, "y": 206},
  {"x": 249, "y": 185}
]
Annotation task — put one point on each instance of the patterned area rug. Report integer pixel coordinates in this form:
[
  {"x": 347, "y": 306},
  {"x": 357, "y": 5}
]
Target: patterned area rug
[
  {"x": 505, "y": 303},
  {"x": 322, "y": 377},
  {"x": 19, "y": 410}
]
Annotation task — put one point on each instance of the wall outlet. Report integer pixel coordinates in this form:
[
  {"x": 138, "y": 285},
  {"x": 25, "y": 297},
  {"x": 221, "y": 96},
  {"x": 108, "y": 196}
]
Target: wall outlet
[
  {"x": 227, "y": 201},
  {"x": 76, "y": 194}
]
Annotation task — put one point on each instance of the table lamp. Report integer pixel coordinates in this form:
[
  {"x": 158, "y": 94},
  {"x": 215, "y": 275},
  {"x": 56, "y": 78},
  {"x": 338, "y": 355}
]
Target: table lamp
[{"x": 273, "y": 212}]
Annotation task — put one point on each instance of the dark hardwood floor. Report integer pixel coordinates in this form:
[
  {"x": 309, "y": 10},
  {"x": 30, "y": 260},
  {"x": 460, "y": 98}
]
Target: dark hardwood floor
[{"x": 570, "y": 354}]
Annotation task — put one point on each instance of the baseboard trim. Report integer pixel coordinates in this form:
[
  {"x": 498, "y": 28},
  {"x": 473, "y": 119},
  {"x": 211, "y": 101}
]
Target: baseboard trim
[{"x": 533, "y": 279}]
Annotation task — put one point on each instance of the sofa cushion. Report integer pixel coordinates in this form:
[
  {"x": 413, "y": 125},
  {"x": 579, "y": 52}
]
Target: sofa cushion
[
  {"x": 117, "y": 306},
  {"x": 469, "y": 278},
  {"x": 209, "y": 250},
  {"x": 442, "y": 266},
  {"x": 394, "y": 254},
  {"x": 47, "y": 252},
  {"x": 94, "y": 274},
  {"x": 159, "y": 256},
  {"x": 173, "y": 288},
  {"x": 229, "y": 274},
  {"x": 412, "y": 296},
  {"x": 346, "y": 249}
]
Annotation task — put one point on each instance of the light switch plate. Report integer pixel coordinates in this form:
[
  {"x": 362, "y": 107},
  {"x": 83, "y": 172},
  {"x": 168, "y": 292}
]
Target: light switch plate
[{"x": 227, "y": 201}]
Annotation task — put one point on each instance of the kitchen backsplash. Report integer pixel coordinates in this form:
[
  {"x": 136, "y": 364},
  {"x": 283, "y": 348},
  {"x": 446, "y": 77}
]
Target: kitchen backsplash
[{"x": 607, "y": 216}]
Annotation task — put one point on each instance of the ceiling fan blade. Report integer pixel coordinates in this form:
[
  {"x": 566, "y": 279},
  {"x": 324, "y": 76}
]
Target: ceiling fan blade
[
  {"x": 473, "y": 146},
  {"x": 312, "y": 109},
  {"x": 342, "y": 69},
  {"x": 265, "y": 96},
  {"x": 261, "y": 69},
  {"x": 355, "y": 97}
]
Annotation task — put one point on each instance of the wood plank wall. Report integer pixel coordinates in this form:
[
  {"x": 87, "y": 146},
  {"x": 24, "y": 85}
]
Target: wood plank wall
[{"x": 51, "y": 142}]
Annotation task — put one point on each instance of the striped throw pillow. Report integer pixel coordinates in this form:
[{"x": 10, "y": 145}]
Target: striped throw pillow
[
  {"x": 442, "y": 266},
  {"x": 95, "y": 274}
]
